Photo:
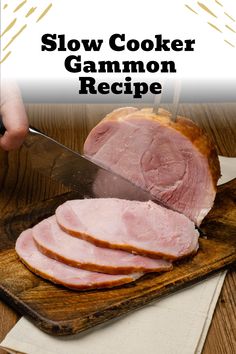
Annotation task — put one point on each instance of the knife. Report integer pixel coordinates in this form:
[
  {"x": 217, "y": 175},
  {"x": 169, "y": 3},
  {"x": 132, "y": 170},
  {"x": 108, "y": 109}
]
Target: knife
[{"x": 58, "y": 162}]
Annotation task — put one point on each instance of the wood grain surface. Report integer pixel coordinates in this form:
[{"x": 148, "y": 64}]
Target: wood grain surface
[
  {"x": 59, "y": 311},
  {"x": 70, "y": 125}
]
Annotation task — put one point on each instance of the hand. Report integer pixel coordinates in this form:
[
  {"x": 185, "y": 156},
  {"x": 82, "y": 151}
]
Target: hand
[{"x": 13, "y": 116}]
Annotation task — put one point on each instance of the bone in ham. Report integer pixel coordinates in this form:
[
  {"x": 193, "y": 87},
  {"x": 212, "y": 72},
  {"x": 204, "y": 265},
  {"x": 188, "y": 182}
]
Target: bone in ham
[
  {"x": 55, "y": 243},
  {"x": 175, "y": 161},
  {"x": 144, "y": 228},
  {"x": 59, "y": 273}
]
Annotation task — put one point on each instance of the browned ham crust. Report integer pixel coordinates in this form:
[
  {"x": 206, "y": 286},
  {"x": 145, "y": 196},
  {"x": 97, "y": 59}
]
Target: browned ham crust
[
  {"x": 148, "y": 148},
  {"x": 59, "y": 273}
]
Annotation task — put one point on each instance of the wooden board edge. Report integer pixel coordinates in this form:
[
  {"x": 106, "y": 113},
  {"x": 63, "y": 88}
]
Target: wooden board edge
[{"x": 64, "y": 328}]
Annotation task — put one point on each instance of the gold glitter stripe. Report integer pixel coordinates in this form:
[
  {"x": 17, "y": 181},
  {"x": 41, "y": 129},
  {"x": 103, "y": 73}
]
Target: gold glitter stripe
[
  {"x": 213, "y": 26},
  {"x": 4, "y": 58},
  {"x": 30, "y": 11},
  {"x": 231, "y": 29},
  {"x": 5, "y": 6},
  {"x": 15, "y": 36},
  {"x": 8, "y": 27},
  {"x": 20, "y": 5},
  {"x": 44, "y": 12},
  {"x": 229, "y": 43},
  {"x": 231, "y": 18},
  {"x": 205, "y": 8},
  {"x": 188, "y": 7},
  {"x": 218, "y": 3}
]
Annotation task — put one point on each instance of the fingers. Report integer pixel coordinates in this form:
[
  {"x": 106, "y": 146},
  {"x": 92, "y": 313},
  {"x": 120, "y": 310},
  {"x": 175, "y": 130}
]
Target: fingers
[
  {"x": 13, "y": 138},
  {"x": 14, "y": 118}
]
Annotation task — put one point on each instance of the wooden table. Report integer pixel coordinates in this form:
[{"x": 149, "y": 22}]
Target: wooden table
[{"x": 69, "y": 124}]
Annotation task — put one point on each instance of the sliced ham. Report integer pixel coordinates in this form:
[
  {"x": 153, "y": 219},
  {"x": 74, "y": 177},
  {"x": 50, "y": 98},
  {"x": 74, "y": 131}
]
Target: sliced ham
[
  {"x": 175, "y": 161},
  {"x": 141, "y": 227},
  {"x": 54, "y": 242},
  {"x": 63, "y": 274}
]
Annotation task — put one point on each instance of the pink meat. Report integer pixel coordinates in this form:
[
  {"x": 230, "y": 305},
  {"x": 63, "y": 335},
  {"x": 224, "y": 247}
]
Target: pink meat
[
  {"x": 174, "y": 161},
  {"x": 141, "y": 227},
  {"x": 55, "y": 243},
  {"x": 63, "y": 274}
]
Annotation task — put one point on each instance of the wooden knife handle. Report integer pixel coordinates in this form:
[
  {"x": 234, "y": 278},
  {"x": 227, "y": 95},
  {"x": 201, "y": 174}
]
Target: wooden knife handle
[{"x": 2, "y": 128}]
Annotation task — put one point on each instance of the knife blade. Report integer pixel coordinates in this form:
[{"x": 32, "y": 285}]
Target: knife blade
[{"x": 72, "y": 169}]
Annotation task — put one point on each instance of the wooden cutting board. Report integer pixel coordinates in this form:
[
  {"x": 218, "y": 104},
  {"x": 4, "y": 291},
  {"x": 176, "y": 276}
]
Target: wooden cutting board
[{"x": 59, "y": 311}]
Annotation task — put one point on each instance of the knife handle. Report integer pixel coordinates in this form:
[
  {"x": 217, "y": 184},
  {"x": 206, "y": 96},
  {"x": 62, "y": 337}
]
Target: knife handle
[{"x": 2, "y": 128}]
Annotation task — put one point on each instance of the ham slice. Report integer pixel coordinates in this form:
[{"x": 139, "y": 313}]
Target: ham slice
[
  {"x": 175, "y": 161},
  {"x": 55, "y": 243},
  {"x": 144, "y": 228},
  {"x": 63, "y": 274}
]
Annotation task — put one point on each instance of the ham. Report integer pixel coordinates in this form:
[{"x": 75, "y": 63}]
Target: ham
[
  {"x": 144, "y": 228},
  {"x": 175, "y": 161},
  {"x": 59, "y": 273},
  {"x": 55, "y": 243}
]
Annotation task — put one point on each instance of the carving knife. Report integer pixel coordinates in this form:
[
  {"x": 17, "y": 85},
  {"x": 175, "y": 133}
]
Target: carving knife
[
  {"x": 91, "y": 180},
  {"x": 58, "y": 162}
]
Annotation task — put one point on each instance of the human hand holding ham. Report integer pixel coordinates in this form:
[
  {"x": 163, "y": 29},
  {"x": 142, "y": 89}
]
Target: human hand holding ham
[{"x": 13, "y": 115}]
